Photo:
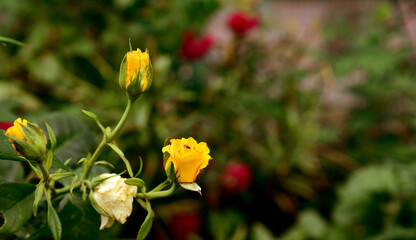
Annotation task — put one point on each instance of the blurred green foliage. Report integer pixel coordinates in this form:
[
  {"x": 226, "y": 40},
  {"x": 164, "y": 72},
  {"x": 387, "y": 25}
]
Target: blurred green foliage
[{"x": 331, "y": 145}]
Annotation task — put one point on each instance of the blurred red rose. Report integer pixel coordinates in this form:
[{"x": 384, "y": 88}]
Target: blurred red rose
[
  {"x": 183, "y": 224},
  {"x": 194, "y": 48},
  {"x": 5, "y": 125},
  {"x": 241, "y": 23},
  {"x": 236, "y": 177}
]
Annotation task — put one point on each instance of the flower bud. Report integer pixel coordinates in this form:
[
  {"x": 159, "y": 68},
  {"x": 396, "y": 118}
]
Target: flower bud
[
  {"x": 114, "y": 198},
  {"x": 136, "y": 73},
  {"x": 28, "y": 140},
  {"x": 188, "y": 158}
]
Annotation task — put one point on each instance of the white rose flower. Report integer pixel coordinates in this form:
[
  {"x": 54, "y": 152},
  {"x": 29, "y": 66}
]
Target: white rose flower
[{"x": 115, "y": 198}]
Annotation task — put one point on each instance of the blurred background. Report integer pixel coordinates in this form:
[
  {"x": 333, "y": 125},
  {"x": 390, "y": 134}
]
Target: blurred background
[{"x": 308, "y": 108}]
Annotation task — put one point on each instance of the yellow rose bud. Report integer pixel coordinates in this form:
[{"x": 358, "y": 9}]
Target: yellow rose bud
[
  {"x": 115, "y": 199},
  {"x": 188, "y": 158},
  {"x": 136, "y": 72},
  {"x": 28, "y": 140}
]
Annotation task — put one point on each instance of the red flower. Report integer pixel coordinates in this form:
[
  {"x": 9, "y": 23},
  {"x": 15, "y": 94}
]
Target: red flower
[
  {"x": 5, "y": 125},
  {"x": 183, "y": 224},
  {"x": 241, "y": 23},
  {"x": 236, "y": 177},
  {"x": 193, "y": 48}
]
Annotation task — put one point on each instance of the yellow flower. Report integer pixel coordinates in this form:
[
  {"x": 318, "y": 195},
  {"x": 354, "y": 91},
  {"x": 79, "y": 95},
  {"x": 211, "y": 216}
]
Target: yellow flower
[
  {"x": 115, "y": 199},
  {"x": 136, "y": 72},
  {"x": 28, "y": 140},
  {"x": 15, "y": 130},
  {"x": 136, "y": 61},
  {"x": 188, "y": 158}
]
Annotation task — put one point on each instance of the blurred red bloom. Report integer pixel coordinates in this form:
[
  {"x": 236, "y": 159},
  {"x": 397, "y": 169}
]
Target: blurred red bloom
[
  {"x": 5, "y": 125},
  {"x": 183, "y": 224},
  {"x": 236, "y": 177},
  {"x": 241, "y": 23},
  {"x": 194, "y": 48}
]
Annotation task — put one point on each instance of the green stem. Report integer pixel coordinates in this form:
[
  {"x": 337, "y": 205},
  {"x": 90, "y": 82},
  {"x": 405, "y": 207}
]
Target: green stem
[
  {"x": 45, "y": 173},
  {"x": 159, "y": 194},
  {"x": 160, "y": 186},
  {"x": 107, "y": 139},
  {"x": 67, "y": 188},
  {"x": 122, "y": 121}
]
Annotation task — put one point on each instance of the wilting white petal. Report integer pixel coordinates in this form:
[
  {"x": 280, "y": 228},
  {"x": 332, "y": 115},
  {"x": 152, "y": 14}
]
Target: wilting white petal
[
  {"x": 106, "y": 222},
  {"x": 115, "y": 198}
]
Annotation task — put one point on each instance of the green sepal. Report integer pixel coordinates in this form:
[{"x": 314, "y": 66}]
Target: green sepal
[
  {"x": 134, "y": 182},
  {"x": 149, "y": 73},
  {"x": 38, "y": 196},
  {"x": 192, "y": 187},
  {"x": 170, "y": 172},
  {"x": 34, "y": 169},
  {"x": 140, "y": 168},
  {"x": 166, "y": 155},
  {"x": 49, "y": 158},
  {"x": 95, "y": 204},
  {"x": 122, "y": 74},
  {"x": 52, "y": 137},
  {"x": 35, "y": 137},
  {"x": 27, "y": 149}
]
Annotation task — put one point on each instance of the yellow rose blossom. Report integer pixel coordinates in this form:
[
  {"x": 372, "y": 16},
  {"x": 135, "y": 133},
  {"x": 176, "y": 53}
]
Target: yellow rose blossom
[
  {"x": 188, "y": 158},
  {"x": 15, "y": 130},
  {"x": 136, "y": 61},
  {"x": 27, "y": 138}
]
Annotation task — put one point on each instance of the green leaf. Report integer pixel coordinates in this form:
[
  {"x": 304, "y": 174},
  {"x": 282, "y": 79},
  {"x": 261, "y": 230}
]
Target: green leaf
[
  {"x": 58, "y": 176},
  {"x": 135, "y": 182},
  {"x": 11, "y": 171},
  {"x": 54, "y": 223},
  {"x": 121, "y": 155},
  {"x": 16, "y": 201},
  {"x": 7, "y": 152},
  {"x": 93, "y": 116},
  {"x": 38, "y": 196},
  {"x": 74, "y": 139},
  {"x": 56, "y": 163},
  {"x": 260, "y": 231},
  {"x": 147, "y": 224},
  {"x": 11, "y": 40},
  {"x": 79, "y": 219},
  {"x": 192, "y": 187}
]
